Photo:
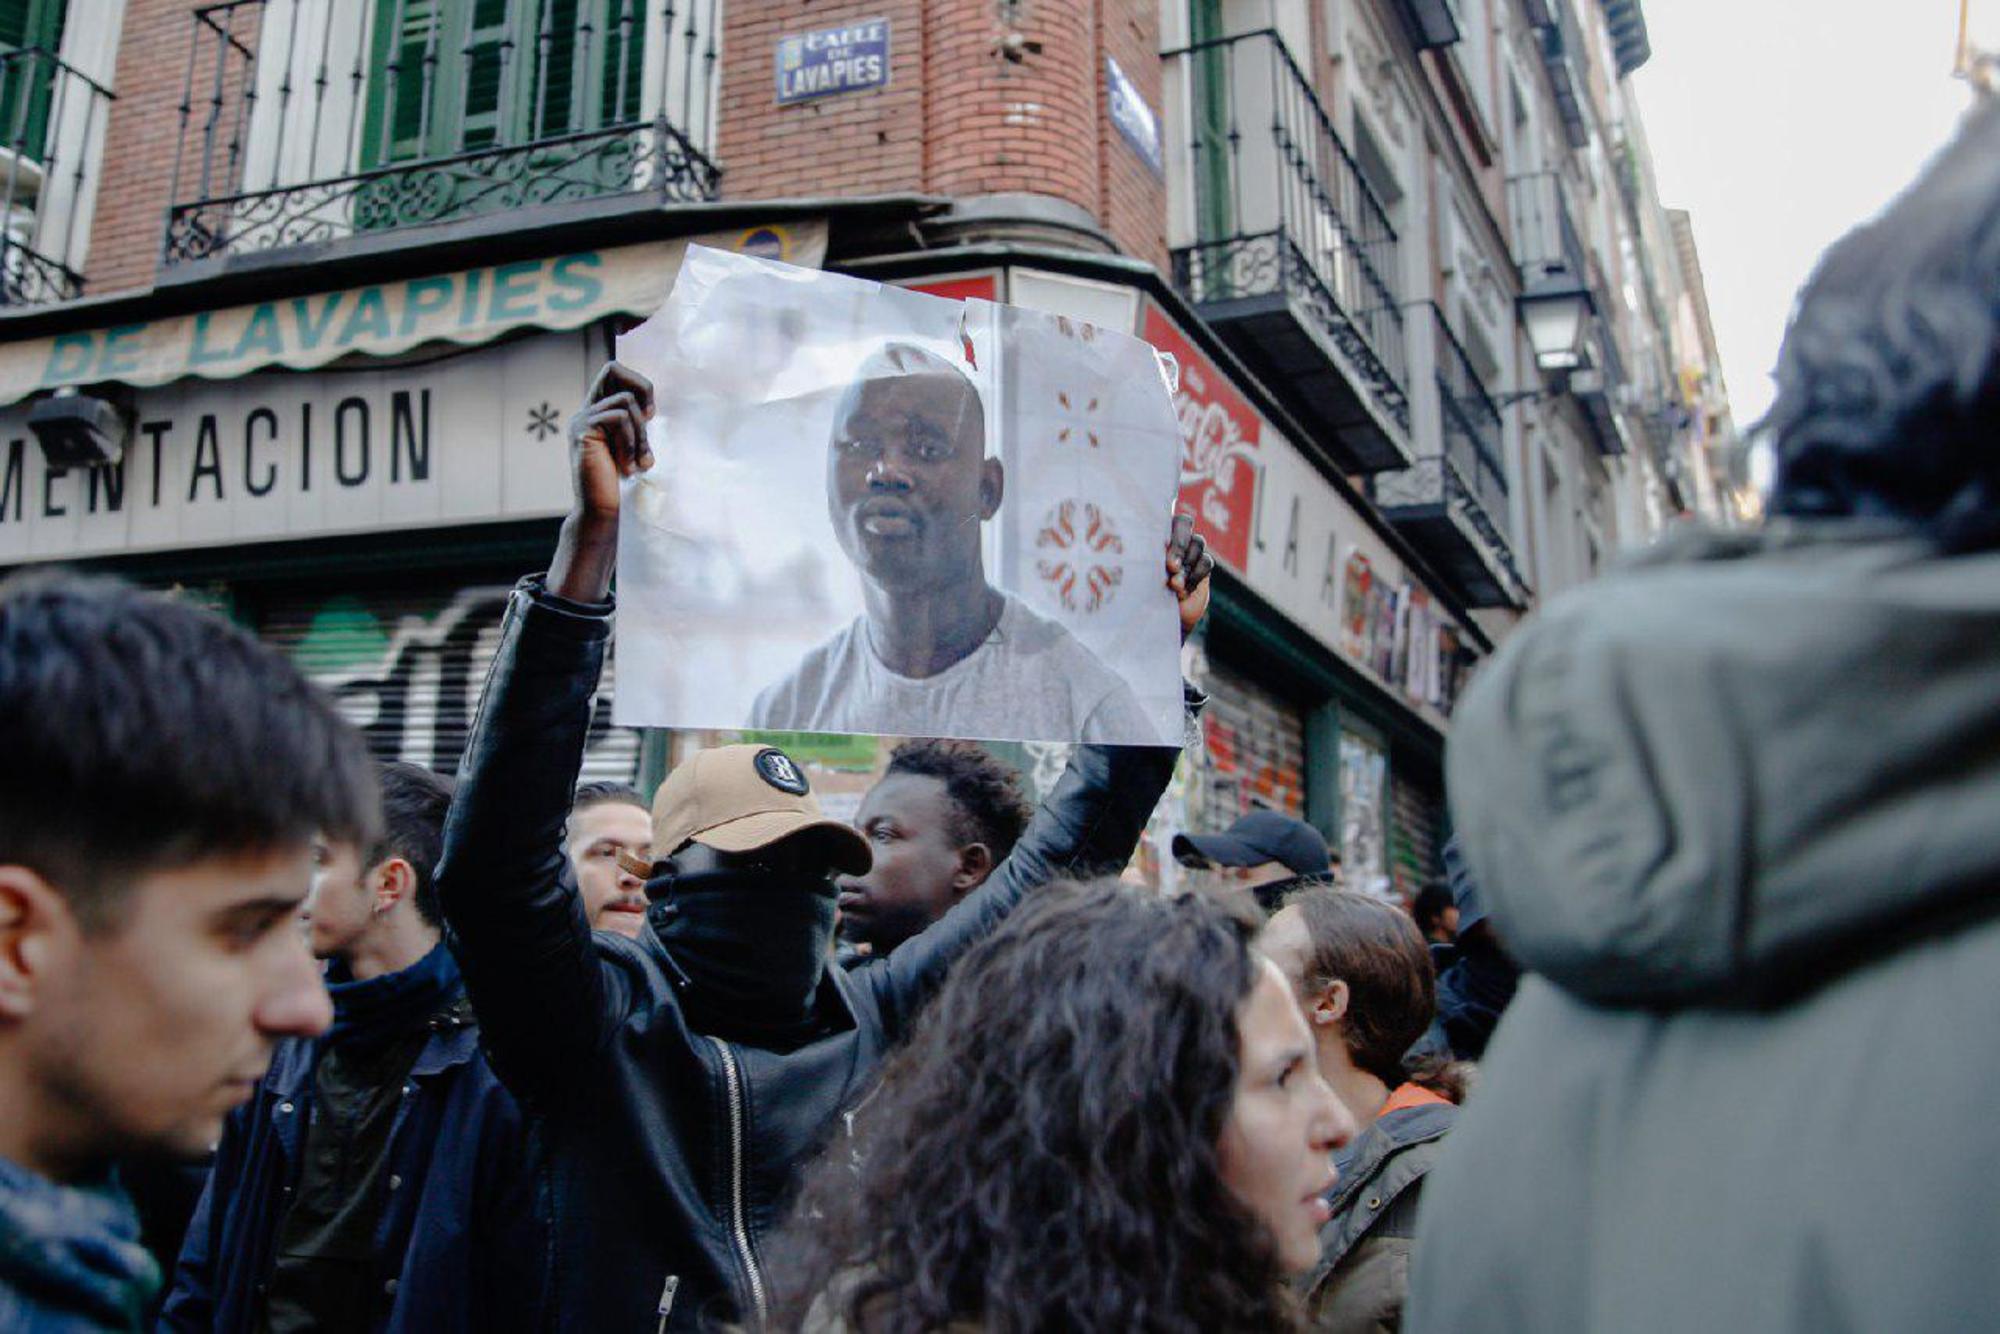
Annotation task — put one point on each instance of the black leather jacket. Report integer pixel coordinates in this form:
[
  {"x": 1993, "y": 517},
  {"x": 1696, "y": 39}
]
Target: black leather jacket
[{"x": 672, "y": 1154}]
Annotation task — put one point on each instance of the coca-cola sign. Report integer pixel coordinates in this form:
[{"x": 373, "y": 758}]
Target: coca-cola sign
[{"x": 1219, "y": 442}]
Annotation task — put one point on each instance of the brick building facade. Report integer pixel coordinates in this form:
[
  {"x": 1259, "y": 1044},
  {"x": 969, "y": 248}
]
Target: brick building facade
[{"x": 288, "y": 226}]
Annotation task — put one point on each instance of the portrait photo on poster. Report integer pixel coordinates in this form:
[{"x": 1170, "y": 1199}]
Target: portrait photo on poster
[{"x": 874, "y": 510}]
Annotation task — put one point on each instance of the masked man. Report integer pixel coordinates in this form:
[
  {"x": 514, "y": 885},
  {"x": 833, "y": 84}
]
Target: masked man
[{"x": 684, "y": 1076}]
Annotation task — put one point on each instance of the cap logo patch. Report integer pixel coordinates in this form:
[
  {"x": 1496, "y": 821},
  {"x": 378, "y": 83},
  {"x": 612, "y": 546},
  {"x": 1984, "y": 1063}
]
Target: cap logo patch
[{"x": 776, "y": 768}]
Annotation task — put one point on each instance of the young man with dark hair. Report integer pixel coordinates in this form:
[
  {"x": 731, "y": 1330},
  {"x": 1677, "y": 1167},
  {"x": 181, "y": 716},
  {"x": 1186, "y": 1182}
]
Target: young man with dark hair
[
  {"x": 682, "y": 1078},
  {"x": 162, "y": 775},
  {"x": 1436, "y": 913},
  {"x": 610, "y": 828},
  {"x": 944, "y": 815},
  {"x": 381, "y": 1178}
]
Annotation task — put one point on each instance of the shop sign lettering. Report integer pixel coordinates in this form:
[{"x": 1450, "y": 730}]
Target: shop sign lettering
[{"x": 277, "y": 456}]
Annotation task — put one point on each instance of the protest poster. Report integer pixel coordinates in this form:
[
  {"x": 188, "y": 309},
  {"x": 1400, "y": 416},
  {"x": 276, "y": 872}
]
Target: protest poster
[{"x": 873, "y": 510}]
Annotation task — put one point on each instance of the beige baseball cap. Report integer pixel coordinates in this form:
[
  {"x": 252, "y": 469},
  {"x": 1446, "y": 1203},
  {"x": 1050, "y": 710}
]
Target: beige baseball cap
[{"x": 742, "y": 798}]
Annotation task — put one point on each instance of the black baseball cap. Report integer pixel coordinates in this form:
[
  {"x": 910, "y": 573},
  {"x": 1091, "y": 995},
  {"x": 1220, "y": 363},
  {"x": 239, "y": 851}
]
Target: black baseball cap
[{"x": 1256, "y": 838}]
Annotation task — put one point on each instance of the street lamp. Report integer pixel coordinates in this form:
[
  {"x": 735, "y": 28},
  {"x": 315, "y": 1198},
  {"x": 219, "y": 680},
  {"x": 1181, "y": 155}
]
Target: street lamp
[{"x": 1553, "y": 318}]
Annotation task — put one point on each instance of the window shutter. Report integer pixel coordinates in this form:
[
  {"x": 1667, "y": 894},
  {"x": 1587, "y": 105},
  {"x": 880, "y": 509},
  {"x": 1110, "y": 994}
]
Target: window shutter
[{"x": 27, "y": 85}]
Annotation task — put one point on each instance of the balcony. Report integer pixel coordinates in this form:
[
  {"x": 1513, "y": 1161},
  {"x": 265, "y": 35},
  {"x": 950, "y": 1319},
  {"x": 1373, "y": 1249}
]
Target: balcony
[
  {"x": 299, "y": 128},
  {"x": 1452, "y": 504},
  {"x": 1550, "y": 252},
  {"x": 1630, "y": 44},
  {"x": 1431, "y": 23},
  {"x": 51, "y": 153},
  {"x": 1296, "y": 264},
  {"x": 1566, "y": 60}
]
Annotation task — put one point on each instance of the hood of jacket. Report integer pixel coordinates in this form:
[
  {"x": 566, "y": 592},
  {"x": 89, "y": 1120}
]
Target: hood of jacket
[{"x": 1739, "y": 761}]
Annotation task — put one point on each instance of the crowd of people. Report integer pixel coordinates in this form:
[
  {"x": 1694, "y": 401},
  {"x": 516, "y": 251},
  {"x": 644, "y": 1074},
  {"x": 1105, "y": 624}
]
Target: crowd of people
[{"x": 1685, "y": 1037}]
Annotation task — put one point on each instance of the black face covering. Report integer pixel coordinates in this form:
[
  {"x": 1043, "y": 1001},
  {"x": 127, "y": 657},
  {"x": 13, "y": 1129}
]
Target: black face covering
[{"x": 748, "y": 947}]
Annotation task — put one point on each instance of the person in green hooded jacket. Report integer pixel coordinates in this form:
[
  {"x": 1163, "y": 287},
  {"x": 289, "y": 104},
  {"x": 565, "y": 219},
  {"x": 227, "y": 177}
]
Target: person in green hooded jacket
[{"x": 1737, "y": 811}]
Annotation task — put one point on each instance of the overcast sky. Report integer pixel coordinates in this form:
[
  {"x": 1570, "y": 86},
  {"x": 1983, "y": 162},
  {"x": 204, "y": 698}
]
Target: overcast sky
[{"x": 1779, "y": 124}]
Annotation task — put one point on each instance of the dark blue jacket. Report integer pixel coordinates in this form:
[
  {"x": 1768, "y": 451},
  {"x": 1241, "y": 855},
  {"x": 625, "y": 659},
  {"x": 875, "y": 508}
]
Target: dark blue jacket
[{"x": 463, "y": 1237}]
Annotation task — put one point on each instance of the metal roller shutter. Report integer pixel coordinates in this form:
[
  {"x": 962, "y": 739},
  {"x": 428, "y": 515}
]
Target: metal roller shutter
[
  {"x": 407, "y": 667},
  {"x": 1253, "y": 752},
  {"x": 1416, "y": 816}
]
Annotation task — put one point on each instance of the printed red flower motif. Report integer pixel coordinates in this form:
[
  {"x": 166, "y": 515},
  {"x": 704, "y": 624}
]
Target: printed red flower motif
[
  {"x": 1082, "y": 417},
  {"x": 1082, "y": 545}
]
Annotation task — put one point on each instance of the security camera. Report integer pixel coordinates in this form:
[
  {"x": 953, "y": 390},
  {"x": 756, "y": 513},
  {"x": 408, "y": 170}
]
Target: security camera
[{"x": 78, "y": 430}]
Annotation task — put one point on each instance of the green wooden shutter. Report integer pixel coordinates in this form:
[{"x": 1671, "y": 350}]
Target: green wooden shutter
[
  {"x": 27, "y": 87},
  {"x": 554, "y": 40},
  {"x": 589, "y": 67},
  {"x": 1215, "y": 214},
  {"x": 397, "y": 122},
  {"x": 502, "y": 73},
  {"x": 489, "y": 60},
  {"x": 623, "y": 63}
]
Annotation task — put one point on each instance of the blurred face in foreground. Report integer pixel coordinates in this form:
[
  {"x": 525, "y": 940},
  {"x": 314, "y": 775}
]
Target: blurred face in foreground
[
  {"x": 1276, "y": 1148},
  {"x": 140, "y": 1035}
]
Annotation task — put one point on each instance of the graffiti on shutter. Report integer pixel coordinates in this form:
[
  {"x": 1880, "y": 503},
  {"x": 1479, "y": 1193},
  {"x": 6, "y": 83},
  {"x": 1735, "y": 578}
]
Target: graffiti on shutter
[
  {"x": 407, "y": 670},
  {"x": 1253, "y": 753}
]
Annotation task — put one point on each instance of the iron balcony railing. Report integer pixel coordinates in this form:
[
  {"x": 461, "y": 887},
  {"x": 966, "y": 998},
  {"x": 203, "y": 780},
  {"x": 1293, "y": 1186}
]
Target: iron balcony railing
[
  {"x": 1436, "y": 482},
  {"x": 52, "y": 140},
  {"x": 1564, "y": 57},
  {"x": 1463, "y": 480},
  {"x": 305, "y": 121},
  {"x": 1282, "y": 207},
  {"x": 1472, "y": 433}
]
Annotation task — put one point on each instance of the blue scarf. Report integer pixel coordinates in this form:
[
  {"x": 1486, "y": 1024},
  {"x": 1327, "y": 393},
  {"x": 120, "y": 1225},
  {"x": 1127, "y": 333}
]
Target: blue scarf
[
  {"x": 368, "y": 1014},
  {"x": 70, "y": 1258}
]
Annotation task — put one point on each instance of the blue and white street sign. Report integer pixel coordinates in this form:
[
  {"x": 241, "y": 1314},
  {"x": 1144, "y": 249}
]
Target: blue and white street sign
[{"x": 847, "y": 59}]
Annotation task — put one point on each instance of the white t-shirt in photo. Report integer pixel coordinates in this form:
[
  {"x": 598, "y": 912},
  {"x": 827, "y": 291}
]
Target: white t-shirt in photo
[{"x": 1032, "y": 680}]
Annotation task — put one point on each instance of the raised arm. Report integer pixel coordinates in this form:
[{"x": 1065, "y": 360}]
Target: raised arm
[{"x": 542, "y": 991}]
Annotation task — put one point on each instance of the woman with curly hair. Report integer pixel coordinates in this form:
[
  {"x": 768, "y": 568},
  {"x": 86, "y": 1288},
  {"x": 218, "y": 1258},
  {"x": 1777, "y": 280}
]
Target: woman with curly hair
[{"x": 1109, "y": 1119}]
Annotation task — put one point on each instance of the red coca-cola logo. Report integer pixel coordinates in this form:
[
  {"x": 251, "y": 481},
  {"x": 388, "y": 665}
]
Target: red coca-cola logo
[{"x": 1220, "y": 435}]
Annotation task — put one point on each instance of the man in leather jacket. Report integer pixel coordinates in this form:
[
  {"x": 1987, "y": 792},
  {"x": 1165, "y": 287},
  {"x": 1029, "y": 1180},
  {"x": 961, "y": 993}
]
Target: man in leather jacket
[{"x": 682, "y": 1078}]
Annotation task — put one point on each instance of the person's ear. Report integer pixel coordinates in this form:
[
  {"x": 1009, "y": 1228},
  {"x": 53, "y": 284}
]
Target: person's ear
[
  {"x": 393, "y": 880},
  {"x": 38, "y": 936},
  {"x": 992, "y": 487},
  {"x": 975, "y": 863},
  {"x": 1330, "y": 1006}
]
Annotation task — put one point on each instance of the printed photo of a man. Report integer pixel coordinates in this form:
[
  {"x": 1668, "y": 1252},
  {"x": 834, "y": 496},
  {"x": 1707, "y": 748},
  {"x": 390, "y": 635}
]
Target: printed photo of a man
[{"x": 938, "y": 649}]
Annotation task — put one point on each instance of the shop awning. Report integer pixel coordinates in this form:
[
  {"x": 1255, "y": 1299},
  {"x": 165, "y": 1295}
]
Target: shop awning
[{"x": 469, "y": 307}]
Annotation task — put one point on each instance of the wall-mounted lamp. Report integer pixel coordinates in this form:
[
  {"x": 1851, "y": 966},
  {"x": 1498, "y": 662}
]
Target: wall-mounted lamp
[
  {"x": 1553, "y": 318},
  {"x": 77, "y": 430}
]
